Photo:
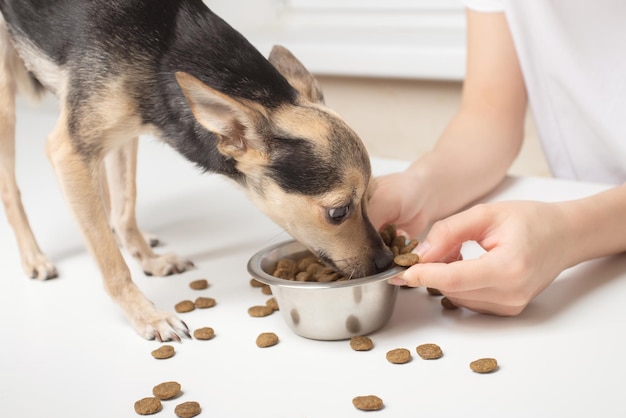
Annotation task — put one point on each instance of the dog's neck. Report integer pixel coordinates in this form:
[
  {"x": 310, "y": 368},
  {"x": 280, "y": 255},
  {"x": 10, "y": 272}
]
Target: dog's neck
[{"x": 208, "y": 48}]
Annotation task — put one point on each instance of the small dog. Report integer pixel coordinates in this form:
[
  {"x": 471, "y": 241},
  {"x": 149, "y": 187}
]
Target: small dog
[{"x": 175, "y": 70}]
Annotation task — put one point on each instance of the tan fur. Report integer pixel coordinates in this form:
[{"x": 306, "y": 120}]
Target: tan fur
[
  {"x": 110, "y": 126},
  {"x": 304, "y": 218},
  {"x": 96, "y": 168},
  {"x": 232, "y": 120},
  {"x": 297, "y": 121},
  {"x": 238, "y": 123},
  {"x": 34, "y": 262},
  {"x": 79, "y": 180},
  {"x": 110, "y": 119},
  {"x": 298, "y": 76}
]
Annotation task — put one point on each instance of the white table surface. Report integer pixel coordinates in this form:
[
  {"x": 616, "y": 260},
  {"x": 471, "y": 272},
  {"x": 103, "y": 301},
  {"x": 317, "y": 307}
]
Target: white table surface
[{"x": 67, "y": 351}]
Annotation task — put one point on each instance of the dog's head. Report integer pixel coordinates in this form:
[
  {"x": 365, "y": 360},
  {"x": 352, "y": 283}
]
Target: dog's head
[{"x": 302, "y": 166}]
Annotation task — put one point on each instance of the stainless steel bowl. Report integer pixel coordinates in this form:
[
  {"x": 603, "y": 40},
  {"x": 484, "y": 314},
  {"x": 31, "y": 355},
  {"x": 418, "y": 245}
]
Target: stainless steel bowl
[{"x": 326, "y": 311}]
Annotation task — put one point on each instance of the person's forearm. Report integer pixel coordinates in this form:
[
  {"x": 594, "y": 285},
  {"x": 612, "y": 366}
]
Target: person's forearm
[
  {"x": 477, "y": 147},
  {"x": 596, "y": 225},
  {"x": 470, "y": 159}
]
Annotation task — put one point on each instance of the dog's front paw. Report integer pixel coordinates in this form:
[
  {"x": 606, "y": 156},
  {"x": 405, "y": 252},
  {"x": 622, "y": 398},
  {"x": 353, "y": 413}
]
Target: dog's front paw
[
  {"x": 165, "y": 265},
  {"x": 151, "y": 239},
  {"x": 162, "y": 326},
  {"x": 37, "y": 266},
  {"x": 148, "y": 321}
]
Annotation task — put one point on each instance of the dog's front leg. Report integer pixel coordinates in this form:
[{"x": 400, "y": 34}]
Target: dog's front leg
[
  {"x": 79, "y": 179},
  {"x": 34, "y": 262},
  {"x": 121, "y": 169}
]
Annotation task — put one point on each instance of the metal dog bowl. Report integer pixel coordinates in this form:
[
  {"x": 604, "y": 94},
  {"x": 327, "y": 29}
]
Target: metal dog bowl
[{"x": 326, "y": 311}]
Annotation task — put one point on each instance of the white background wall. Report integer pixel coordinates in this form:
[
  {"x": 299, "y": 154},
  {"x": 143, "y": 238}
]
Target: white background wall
[
  {"x": 394, "y": 38},
  {"x": 393, "y": 69},
  {"x": 394, "y": 98}
]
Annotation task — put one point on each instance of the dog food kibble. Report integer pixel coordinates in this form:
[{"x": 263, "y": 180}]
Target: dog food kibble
[
  {"x": 429, "y": 351},
  {"x": 166, "y": 390},
  {"x": 368, "y": 403},
  {"x": 433, "y": 292},
  {"x": 282, "y": 273},
  {"x": 447, "y": 304},
  {"x": 205, "y": 333},
  {"x": 361, "y": 343},
  {"x": 163, "y": 352},
  {"x": 306, "y": 262},
  {"x": 410, "y": 246},
  {"x": 199, "y": 284},
  {"x": 271, "y": 302},
  {"x": 313, "y": 269},
  {"x": 184, "y": 306},
  {"x": 266, "y": 339},
  {"x": 389, "y": 233},
  {"x": 266, "y": 290},
  {"x": 287, "y": 264},
  {"x": 187, "y": 409},
  {"x": 256, "y": 283},
  {"x": 204, "y": 302},
  {"x": 484, "y": 365},
  {"x": 406, "y": 260},
  {"x": 148, "y": 406},
  {"x": 260, "y": 311},
  {"x": 399, "y": 356},
  {"x": 308, "y": 268},
  {"x": 397, "y": 246}
]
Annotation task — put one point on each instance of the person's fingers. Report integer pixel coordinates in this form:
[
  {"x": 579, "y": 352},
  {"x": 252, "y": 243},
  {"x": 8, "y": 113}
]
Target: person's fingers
[
  {"x": 381, "y": 215},
  {"x": 446, "y": 237},
  {"x": 453, "y": 256},
  {"x": 460, "y": 276}
]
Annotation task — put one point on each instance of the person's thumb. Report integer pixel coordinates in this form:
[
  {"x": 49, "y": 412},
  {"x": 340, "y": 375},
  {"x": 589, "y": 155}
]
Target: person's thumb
[{"x": 444, "y": 240}]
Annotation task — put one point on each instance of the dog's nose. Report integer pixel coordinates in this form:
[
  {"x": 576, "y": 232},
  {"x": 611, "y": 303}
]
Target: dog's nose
[{"x": 383, "y": 260}]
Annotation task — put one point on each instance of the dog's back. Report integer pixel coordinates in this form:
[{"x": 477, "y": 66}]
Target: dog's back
[
  {"x": 172, "y": 68},
  {"x": 79, "y": 49}
]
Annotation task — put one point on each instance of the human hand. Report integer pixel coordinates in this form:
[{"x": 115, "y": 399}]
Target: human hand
[
  {"x": 526, "y": 248},
  {"x": 396, "y": 201}
]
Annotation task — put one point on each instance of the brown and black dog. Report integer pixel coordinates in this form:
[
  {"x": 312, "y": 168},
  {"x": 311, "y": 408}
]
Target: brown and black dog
[{"x": 175, "y": 70}]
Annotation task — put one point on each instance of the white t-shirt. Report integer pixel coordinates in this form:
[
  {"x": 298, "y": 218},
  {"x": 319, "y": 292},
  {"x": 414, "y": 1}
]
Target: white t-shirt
[{"x": 573, "y": 58}]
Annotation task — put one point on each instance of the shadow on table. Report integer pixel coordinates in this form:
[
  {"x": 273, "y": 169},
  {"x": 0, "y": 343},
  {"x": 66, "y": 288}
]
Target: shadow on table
[{"x": 575, "y": 285}]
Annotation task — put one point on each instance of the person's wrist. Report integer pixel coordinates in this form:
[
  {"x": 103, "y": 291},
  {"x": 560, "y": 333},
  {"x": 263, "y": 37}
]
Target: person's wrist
[
  {"x": 572, "y": 240},
  {"x": 433, "y": 176},
  {"x": 421, "y": 182}
]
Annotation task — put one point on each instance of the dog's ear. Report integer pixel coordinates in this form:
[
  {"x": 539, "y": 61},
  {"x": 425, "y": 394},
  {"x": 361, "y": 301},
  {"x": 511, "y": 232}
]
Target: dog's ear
[
  {"x": 296, "y": 74},
  {"x": 230, "y": 119}
]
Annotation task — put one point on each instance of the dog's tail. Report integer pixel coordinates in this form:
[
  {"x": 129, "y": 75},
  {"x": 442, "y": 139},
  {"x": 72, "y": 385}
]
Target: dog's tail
[{"x": 13, "y": 69}]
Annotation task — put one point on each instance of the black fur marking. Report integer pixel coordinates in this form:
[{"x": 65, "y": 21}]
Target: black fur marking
[
  {"x": 209, "y": 49},
  {"x": 327, "y": 260},
  {"x": 298, "y": 167},
  {"x": 305, "y": 166},
  {"x": 148, "y": 41}
]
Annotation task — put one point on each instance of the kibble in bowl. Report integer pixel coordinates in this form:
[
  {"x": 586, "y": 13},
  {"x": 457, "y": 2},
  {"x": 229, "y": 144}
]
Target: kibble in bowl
[{"x": 325, "y": 310}]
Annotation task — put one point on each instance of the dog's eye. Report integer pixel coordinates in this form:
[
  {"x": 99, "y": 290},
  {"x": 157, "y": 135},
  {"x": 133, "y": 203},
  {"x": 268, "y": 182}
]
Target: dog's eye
[{"x": 337, "y": 215}]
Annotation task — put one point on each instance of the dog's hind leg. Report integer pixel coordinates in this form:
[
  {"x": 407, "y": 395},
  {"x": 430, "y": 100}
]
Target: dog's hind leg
[
  {"x": 78, "y": 173},
  {"x": 151, "y": 239},
  {"x": 121, "y": 168},
  {"x": 34, "y": 262}
]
